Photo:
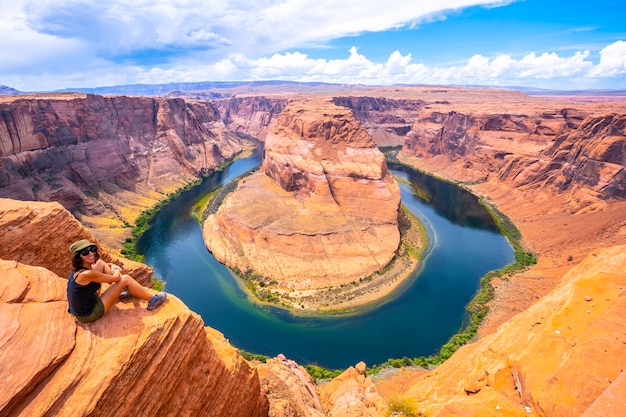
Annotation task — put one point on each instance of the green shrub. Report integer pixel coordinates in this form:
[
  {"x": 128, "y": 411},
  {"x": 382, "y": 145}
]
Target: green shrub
[
  {"x": 253, "y": 356},
  {"x": 319, "y": 373}
]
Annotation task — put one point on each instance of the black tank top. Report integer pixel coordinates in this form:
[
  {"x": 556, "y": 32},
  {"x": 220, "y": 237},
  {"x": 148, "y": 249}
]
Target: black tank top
[{"x": 81, "y": 298}]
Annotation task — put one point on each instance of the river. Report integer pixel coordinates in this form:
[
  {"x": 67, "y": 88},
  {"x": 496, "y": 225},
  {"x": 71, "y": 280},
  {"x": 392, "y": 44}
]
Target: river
[{"x": 416, "y": 321}]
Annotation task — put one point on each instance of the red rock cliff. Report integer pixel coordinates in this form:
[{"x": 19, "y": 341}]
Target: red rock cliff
[
  {"x": 132, "y": 362},
  {"x": 387, "y": 120},
  {"x": 590, "y": 159},
  {"x": 565, "y": 149},
  {"x": 250, "y": 115},
  {"x": 106, "y": 159}
]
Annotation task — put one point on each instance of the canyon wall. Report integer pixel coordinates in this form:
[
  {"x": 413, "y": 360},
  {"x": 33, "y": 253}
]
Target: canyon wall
[
  {"x": 132, "y": 362},
  {"x": 386, "y": 120},
  {"x": 106, "y": 159},
  {"x": 589, "y": 160},
  {"x": 250, "y": 115},
  {"x": 579, "y": 151}
]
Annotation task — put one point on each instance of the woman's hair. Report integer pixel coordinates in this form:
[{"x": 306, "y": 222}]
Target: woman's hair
[{"x": 77, "y": 261}]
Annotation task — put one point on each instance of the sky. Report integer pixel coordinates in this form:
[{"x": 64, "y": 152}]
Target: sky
[{"x": 48, "y": 45}]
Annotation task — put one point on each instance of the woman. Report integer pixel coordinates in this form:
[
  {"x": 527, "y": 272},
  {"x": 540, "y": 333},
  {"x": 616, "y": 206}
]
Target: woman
[{"x": 88, "y": 273}]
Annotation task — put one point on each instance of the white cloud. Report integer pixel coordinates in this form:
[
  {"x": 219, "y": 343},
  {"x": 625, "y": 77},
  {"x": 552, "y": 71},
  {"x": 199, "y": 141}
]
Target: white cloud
[
  {"x": 612, "y": 61},
  {"x": 255, "y": 28},
  {"x": 503, "y": 70}
]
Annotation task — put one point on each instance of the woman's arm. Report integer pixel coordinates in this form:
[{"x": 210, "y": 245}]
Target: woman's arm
[
  {"x": 104, "y": 267},
  {"x": 93, "y": 275}
]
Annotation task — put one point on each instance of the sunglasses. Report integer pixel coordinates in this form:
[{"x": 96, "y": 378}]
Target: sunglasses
[{"x": 92, "y": 248}]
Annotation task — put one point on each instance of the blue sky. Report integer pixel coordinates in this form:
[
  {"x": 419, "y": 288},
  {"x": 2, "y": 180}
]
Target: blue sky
[{"x": 56, "y": 44}]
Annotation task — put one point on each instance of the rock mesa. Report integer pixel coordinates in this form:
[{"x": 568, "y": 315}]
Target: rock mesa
[{"x": 323, "y": 186}]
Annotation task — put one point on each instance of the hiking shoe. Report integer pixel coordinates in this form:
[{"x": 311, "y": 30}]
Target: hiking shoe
[
  {"x": 156, "y": 300},
  {"x": 124, "y": 294}
]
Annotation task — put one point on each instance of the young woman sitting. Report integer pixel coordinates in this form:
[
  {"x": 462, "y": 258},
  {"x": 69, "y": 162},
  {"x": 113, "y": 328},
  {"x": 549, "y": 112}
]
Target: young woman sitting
[{"x": 88, "y": 273}]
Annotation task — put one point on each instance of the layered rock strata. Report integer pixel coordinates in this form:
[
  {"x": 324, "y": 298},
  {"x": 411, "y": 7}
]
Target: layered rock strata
[
  {"x": 131, "y": 362},
  {"x": 387, "y": 120},
  {"x": 588, "y": 160},
  {"x": 40, "y": 234},
  {"x": 352, "y": 394},
  {"x": 323, "y": 210},
  {"x": 250, "y": 115},
  {"x": 106, "y": 159},
  {"x": 560, "y": 357},
  {"x": 290, "y": 389},
  {"x": 567, "y": 150}
]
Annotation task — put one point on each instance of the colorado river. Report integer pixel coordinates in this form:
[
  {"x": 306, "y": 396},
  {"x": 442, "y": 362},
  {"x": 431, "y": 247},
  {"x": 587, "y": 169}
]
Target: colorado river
[{"x": 416, "y": 321}]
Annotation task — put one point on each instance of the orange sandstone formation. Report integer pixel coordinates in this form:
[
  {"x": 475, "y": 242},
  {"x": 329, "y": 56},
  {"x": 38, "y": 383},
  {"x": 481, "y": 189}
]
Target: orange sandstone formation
[
  {"x": 132, "y": 362},
  {"x": 322, "y": 212},
  {"x": 554, "y": 359},
  {"x": 40, "y": 234},
  {"x": 553, "y": 344}
]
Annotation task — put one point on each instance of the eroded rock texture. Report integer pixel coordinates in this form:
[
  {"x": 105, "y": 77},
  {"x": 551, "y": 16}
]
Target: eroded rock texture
[
  {"x": 250, "y": 115},
  {"x": 590, "y": 159},
  {"x": 131, "y": 362},
  {"x": 106, "y": 159},
  {"x": 560, "y": 357},
  {"x": 567, "y": 149},
  {"x": 40, "y": 234},
  {"x": 387, "y": 120},
  {"x": 322, "y": 211}
]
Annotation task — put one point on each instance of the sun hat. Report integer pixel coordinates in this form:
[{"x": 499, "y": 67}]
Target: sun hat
[{"x": 80, "y": 245}]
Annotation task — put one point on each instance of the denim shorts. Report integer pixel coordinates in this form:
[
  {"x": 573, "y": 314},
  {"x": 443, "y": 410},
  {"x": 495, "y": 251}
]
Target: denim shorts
[{"x": 96, "y": 313}]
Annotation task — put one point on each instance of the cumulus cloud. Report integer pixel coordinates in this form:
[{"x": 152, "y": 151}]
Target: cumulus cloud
[
  {"x": 503, "y": 70},
  {"x": 612, "y": 61}
]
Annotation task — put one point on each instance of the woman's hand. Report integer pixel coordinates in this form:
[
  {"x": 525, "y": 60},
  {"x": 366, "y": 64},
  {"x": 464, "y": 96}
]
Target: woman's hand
[{"x": 117, "y": 273}]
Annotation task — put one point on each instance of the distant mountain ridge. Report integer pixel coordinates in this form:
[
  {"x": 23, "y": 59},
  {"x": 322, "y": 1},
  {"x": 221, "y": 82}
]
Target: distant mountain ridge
[
  {"x": 8, "y": 91},
  {"x": 222, "y": 89}
]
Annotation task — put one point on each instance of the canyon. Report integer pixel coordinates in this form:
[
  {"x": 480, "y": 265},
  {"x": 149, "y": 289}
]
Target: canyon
[
  {"x": 551, "y": 345},
  {"x": 107, "y": 159}
]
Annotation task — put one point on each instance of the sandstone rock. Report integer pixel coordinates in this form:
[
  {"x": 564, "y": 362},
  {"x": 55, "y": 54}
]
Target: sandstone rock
[
  {"x": 40, "y": 234},
  {"x": 612, "y": 402},
  {"x": 290, "y": 389},
  {"x": 592, "y": 157},
  {"x": 352, "y": 394},
  {"x": 324, "y": 187},
  {"x": 106, "y": 159},
  {"x": 130, "y": 362},
  {"x": 36, "y": 332},
  {"x": 556, "y": 149},
  {"x": 386, "y": 120},
  {"x": 250, "y": 115},
  {"x": 556, "y": 358}
]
